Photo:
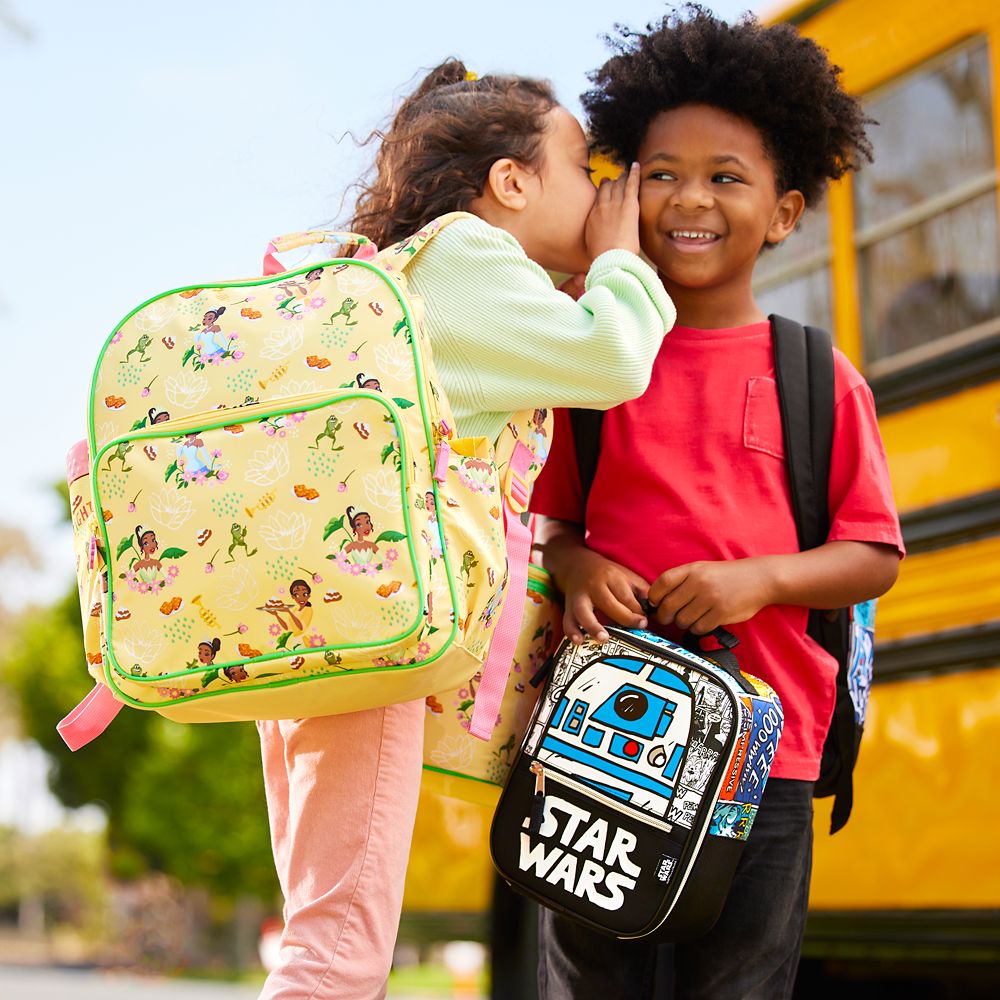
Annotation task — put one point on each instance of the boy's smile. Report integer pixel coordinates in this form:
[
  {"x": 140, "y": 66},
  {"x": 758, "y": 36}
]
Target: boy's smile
[{"x": 708, "y": 204}]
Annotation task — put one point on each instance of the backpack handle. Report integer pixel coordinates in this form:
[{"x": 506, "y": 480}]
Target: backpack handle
[{"x": 365, "y": 249}]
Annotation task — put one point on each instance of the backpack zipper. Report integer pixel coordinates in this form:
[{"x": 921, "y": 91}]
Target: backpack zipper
[{"x": 257, "y": 411}]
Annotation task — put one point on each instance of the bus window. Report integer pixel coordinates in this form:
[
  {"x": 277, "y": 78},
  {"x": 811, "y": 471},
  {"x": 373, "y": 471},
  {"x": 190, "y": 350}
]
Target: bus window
[
  {"x": 793, "y": 279},
  {"x": 926, "y": 209}
]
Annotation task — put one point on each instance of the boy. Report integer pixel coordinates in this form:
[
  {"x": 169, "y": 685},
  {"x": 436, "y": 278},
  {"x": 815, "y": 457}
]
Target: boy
[{"x": 737, "y": 129}]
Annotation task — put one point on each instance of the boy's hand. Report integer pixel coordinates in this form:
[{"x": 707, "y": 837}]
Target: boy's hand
[
  {"x": 700, "y": 596},
  {"x": 613, "y": 223},
  {"x": 594, "y": 584}
]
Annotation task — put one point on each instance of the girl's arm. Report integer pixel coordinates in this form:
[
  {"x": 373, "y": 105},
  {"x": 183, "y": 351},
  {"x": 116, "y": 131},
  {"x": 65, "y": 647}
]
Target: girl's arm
[{"x": 506, "y": 339}]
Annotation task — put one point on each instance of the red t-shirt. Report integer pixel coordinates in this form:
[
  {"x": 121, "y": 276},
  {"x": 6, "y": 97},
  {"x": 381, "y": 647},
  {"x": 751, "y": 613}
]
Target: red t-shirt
[{"x": 694, "y": 469}]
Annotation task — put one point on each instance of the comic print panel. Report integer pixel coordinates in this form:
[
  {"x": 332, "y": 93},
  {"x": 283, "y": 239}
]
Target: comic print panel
[
  {"x": 860, "y": 657},
  {"x": 619, "y": 723},
  {"x": 761, "y": 748},
  {"x": 732, "y": 820},
  {"x": 713, "y": 722}
]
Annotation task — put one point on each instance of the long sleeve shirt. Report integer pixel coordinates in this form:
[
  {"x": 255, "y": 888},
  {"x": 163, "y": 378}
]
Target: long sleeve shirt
[{"x": 505, "y": 339}]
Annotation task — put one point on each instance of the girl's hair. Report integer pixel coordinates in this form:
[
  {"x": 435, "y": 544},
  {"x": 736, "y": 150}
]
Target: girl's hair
[{"x": 436, "y": 155}]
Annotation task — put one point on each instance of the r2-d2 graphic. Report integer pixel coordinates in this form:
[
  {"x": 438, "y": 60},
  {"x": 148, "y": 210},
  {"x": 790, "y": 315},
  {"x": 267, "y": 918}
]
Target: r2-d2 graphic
[{"x": 621, "y": 726}]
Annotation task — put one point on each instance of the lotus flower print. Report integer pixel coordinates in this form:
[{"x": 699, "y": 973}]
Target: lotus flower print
[
  {"x": 279, "y": 344},
  {"x": 382, "y": 490},
  {"x": 139, "y": 649},
  {"x": 237, "y": 588},
  {"x": 186, "y": 390},
  {"x": 362, "y": 624},
  {"x": 394, "y": 361},
  {"x": 267, "y": 466},
  {"x": 299, "y": 388},
  {"x": 155, "y": 317},
  {"x": 453, "y": 752},
  {"x": 170, "y": 509},
  {"x": 355, "y": 281},
  {"x": 285, "y": 532}
]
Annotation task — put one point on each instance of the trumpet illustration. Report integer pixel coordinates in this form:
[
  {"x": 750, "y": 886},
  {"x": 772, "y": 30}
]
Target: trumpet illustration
[
  {"x": 262, "y": 504},
  {"x": 273, "y": 377},
  {"x": 205, "y": 614}
]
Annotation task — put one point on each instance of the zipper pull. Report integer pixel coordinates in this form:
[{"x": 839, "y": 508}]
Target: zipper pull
[{"x": 538, "y": 801}]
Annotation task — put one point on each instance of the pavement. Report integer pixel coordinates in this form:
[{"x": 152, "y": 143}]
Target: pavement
[{"x": 32, "y": 983}]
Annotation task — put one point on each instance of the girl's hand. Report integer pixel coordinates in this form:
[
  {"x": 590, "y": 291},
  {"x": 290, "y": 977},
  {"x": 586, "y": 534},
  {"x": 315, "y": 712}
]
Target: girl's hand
[
  {"x": 594, "y": 584},
  {"x": 613, "y": 223}
]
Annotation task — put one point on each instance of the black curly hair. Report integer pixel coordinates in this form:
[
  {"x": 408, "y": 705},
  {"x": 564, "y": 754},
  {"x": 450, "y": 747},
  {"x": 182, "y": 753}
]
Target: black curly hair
[{"x": 779, "y": 81}]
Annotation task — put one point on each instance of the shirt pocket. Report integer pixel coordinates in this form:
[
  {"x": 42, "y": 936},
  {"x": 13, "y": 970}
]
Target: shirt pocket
[{"x": 762, "y": 417}]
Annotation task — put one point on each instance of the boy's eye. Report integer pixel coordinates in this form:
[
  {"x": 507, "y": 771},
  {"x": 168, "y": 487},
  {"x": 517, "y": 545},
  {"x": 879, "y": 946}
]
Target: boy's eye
[
  {"x": 660, "y": 175},
  {"x": 726, "y": 179}
]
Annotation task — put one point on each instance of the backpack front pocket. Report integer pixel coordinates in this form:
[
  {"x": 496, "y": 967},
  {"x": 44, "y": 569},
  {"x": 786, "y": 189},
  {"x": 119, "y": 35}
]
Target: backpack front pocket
[{"x": 241, "y": 539}]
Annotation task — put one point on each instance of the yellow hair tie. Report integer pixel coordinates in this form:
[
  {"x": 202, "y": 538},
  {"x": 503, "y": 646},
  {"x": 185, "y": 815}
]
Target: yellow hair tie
[{"x": 471, "y": 76}]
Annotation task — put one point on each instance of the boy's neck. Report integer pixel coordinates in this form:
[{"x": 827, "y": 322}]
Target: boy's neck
[{"x": 713, "y": 308}]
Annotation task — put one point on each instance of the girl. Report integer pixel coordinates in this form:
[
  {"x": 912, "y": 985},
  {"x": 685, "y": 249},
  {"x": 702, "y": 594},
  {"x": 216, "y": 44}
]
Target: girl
[{"x": 342, "y": 790}]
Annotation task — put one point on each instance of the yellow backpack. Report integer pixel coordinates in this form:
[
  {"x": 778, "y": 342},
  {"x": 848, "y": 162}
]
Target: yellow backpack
[{"x": 273, "y": 516}]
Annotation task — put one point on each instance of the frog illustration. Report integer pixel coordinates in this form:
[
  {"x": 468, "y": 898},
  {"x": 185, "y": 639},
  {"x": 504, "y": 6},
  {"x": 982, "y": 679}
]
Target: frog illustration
[
  {"x": 118, "y": 455},
  {"x": 346, "y": 308},
  {"x": 333, "y": 425},
  {"x": 140, "y": 348},
  {"x": 469, "y": 563},
  {"x": 239, "y": 534}
]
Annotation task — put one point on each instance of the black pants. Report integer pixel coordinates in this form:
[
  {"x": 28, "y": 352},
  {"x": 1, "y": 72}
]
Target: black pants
[{"x": 750, "y": 954}]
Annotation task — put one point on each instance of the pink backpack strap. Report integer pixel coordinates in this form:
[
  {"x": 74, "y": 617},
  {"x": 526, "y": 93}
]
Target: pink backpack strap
[
  {"x": 498, "y": 662},
  {"x": 90, "y": 718},
  {"x": 366, "y": 250}
]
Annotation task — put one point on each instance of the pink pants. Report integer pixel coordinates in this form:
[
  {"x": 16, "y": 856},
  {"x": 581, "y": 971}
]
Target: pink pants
[{"x": 341, "y": 798}]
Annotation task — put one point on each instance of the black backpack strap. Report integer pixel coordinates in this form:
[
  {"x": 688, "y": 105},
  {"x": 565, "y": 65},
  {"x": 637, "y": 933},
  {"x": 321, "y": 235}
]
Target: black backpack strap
[
  {"x": 798, "y": 385},
  {"x": 586, "y": 426},
  {"x": 803, "y": 362}
]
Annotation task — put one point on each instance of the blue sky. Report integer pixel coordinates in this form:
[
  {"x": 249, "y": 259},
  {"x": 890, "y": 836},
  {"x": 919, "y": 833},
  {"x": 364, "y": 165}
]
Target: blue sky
[{"x": 151, "y": 145}]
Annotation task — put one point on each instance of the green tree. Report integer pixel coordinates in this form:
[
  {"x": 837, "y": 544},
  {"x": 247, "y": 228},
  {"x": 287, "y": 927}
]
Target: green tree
[{"x": 185, "y": 800}]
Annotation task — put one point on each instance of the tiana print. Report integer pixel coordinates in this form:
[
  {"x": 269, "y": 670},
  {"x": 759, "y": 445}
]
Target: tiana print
[
  {"x": 194, "y": 462},
  {"x": 538, "y": 438},
  {"x": 358, "y": 554},
  {"x": 293, "y": 621},
  {"x": 432, "y": 536},
  {"x": 211, "y": 345},
  {"x": 296, "y": 296},
  {"x": 476, "y": 474},
  {"x": 146, "y": 573}
]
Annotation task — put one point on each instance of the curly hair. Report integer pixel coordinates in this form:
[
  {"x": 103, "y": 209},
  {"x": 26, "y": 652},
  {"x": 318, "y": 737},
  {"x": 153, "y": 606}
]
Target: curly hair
[
  {"x": 436, "y": 155},
  {"x": 779, "y": 81}
]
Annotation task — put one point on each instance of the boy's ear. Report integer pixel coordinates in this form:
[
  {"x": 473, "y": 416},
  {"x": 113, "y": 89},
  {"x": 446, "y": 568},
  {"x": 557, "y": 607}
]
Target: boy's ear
[
  {"x": 507, "y": 182},
  {"x": 786, "y": 216}
]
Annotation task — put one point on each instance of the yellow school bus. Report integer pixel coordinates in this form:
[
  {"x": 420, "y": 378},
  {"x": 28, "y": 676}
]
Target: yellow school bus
[{"x": 902, "y": 263}]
